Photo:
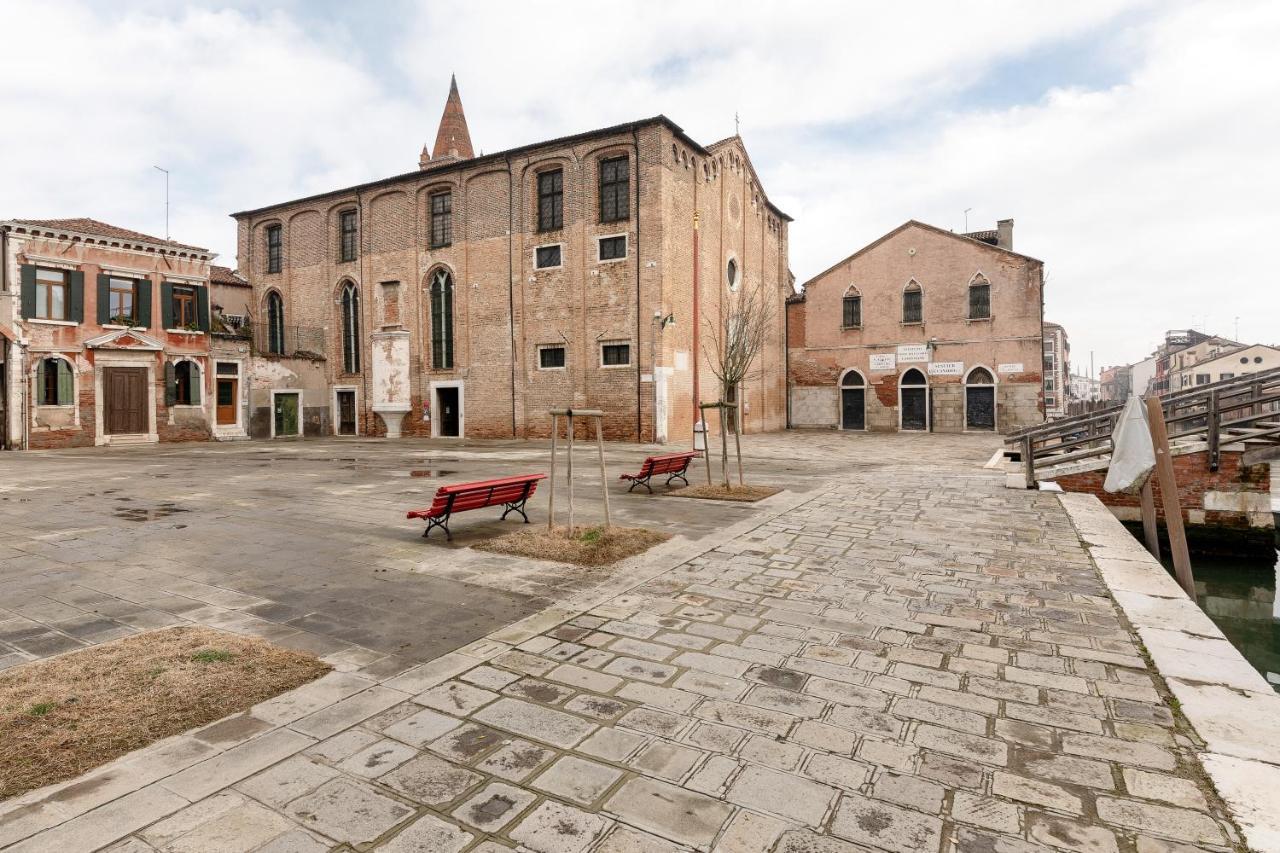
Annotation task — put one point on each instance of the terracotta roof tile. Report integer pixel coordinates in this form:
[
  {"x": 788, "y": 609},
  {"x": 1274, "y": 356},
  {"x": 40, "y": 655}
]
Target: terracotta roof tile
[
  {"x": 227, "y": 276},
  {"x": 101, "y": 229}
]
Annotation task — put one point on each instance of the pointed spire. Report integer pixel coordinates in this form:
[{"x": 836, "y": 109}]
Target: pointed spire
[
  {"x": 453, "y": 139},
  {"x": 424, "y": 159}
]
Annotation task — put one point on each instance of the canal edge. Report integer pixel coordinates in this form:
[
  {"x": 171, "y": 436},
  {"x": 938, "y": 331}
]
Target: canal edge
[{"x": 1233, "y": 711}]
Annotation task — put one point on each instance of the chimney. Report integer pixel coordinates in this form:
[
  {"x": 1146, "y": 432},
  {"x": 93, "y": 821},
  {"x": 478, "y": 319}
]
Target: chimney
[{"x": 1004, "y": 234}]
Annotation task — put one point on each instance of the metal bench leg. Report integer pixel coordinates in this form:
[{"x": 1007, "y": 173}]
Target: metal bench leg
[
  {"x": 517, "y": 506},
  {"x": 442, "y": 523},
  {"x": 674, "y": 476}
]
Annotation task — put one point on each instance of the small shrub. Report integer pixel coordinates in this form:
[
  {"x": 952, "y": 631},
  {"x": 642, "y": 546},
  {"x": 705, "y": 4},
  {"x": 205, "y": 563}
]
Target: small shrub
[{"x": 41, "y": 708}]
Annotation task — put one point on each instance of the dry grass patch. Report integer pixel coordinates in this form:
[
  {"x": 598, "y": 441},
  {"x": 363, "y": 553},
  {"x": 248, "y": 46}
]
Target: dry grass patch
[
  {"x": 717, "y": 492},
  {"x": 588, "y": 546},
  {"x": 62, "y": 716}
]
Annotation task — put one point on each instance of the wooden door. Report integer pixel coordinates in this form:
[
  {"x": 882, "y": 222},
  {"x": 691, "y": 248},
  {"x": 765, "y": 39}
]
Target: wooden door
[
  {"x": 126, "y": 404},
  {"x": 346, "y": 413},
  {"x": 915, "y": 407},
  {"x": 227, "y": 396},
  {"x": 853, "y": 409},
  {"x": 448, "y": 398},
  {"x": 980, "y": 407}
]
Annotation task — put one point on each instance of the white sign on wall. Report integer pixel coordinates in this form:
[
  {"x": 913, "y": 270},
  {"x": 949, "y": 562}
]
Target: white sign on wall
[
  {"x": 1010, "y": 368},
  {"x": 682, "y": 360},
  {"x": 913, "y": 352},
  {"x": 946, "y": 368},
  {"x": 883, "y": 362}
]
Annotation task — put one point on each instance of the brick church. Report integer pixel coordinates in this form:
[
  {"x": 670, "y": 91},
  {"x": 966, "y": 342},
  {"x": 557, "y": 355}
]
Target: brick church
[{"x": 471, "y": 295}]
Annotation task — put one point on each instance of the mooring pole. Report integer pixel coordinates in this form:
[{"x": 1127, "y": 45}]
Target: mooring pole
[{"x": 1169, "y": 497}]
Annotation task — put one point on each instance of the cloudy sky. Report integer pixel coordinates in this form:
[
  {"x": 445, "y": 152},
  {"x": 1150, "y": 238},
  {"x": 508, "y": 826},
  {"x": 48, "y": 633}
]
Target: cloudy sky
[{"x": 1136, "y": 144}]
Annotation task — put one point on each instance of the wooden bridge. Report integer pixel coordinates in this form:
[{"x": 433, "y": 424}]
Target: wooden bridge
[{"x": 1241, "y": 413}]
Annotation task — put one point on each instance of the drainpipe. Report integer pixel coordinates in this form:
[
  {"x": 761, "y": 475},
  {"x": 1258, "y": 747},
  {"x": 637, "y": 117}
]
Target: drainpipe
[
  {"x": 697, "y": 323},
  {"x": 511, "y": 288},
  {"x": 635, "y": 144}
]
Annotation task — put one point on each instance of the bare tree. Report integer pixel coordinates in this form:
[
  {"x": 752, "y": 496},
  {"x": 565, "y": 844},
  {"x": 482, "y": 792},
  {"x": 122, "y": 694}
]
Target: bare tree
[{"x": 733, "y": 347}]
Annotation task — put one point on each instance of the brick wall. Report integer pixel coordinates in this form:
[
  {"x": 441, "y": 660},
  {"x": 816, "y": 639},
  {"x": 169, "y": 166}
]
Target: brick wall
[
  {"x": 943, "y": 264},
  {"x": 504, "y": 308},
  {"x": 1195, "y": 480}
]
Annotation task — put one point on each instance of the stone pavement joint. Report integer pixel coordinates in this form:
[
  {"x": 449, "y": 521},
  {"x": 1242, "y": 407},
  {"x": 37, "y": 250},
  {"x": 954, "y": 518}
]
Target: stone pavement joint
[{"x": 911, "y": 658}]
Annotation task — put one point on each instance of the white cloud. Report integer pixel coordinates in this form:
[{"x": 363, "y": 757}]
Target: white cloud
[{"x": 1151, "y": 199}]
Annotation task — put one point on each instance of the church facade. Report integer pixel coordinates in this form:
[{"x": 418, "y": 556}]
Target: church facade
[{"x": 472, "y": 295}]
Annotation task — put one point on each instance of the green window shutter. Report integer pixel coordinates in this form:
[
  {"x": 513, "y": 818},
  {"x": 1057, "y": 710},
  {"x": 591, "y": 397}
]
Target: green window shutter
[
  {"x": 170, "y": 383},
  {"x": 202, "y": 308},
  {"x": 66, "y": 384},
  {"x": 104, "y": 299},
  {"x": 76, "y": 310},
  {"x": 166, "y": 304},
  {"x": 196, "y": 380},
  {"x": 40, "y": 382},
  {"x": 28, "y": 290},
  {"x": 144, "y": 303}
]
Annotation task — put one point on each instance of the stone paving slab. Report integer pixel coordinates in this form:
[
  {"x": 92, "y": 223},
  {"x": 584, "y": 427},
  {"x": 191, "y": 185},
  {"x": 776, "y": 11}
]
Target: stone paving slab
[{"x": 910, "y": 658}]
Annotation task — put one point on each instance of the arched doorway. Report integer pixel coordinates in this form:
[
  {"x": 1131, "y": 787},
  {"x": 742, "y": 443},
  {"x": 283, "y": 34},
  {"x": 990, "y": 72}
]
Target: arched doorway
[
  {"x": 853, "y": 401},
  {"x": 980, "y": 400},
  {"x": 913, "y": 401}
]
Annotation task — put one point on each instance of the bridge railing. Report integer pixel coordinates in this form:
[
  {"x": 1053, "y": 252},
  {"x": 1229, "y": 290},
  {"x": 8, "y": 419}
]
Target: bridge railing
[{"x": 1244, "y": 408}]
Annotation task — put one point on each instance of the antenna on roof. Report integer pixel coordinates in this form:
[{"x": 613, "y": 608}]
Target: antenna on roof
[
  {"x": 166, "y": 201},
  {"x": 966, "y": 219},
  {"x": 737, "y": 130}
]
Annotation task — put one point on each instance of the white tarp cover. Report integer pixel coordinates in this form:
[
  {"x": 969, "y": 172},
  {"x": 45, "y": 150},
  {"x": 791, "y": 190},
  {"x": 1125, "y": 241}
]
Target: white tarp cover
[{"x": 1133, "y": 455}]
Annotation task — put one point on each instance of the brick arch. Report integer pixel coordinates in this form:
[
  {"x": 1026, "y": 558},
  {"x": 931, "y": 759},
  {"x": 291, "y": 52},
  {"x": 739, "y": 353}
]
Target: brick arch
[
  {"x": 305, "y": 238},
  {"x": 259, "y": 244},
  {"x": 390, "y": 222}
]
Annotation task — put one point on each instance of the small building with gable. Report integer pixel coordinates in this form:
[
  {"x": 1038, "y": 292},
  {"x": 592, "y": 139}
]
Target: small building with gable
[{"x": 921, "y": 330}]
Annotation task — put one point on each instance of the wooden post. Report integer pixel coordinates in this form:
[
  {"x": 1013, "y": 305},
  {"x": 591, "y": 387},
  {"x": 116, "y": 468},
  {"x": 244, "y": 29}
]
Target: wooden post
[
  {"x": 737, "y": 441},
  {"x": 569, "y": 450},
  {"x": 604, "y": 483},
  {"x": 551, "y": 487},
  {"x": 724, "y": 445},
  {"x": 1028, "y": 462},
  {"x": 1169, "y": 498},
  {"x": 1213, "y": 422},
  {"x": 1147, "y": 499}
]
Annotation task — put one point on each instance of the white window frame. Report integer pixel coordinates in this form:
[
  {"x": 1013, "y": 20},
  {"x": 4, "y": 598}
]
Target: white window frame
[
  {"x": 558, "y": 266},
  {"x": 175, "y": 361},
  {"x": 564, "y": 347},
  {"x": 602, "y": 237},
  {"x": 630, "y": 361}
]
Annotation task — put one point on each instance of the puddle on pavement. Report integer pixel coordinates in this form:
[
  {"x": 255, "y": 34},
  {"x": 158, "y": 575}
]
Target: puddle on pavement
[
  {"x": 141, "y": 513},
  {"x": 430, "y": 472}
]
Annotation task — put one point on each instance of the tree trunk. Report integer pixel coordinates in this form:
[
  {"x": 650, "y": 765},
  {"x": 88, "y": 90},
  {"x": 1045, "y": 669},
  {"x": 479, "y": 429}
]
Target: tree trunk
[{"x": 737, "y": 442}]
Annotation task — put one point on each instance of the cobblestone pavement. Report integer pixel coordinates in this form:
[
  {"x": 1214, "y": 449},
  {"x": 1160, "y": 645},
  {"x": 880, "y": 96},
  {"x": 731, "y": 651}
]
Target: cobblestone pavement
[{"x": 909, "y": 659}]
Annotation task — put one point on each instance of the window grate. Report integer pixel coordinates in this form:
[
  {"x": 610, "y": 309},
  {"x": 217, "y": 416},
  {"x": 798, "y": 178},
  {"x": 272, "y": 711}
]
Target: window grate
[
  {"x": 979, "y": 302},
  {"x": 852, "y": 312},
  {"x": 274, "y": 246},
  {"x": 546, "y": 257}
]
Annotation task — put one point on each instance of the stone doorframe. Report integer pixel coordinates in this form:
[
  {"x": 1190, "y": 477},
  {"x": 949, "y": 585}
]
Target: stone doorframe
[
  {"x": 335, "y": 412},
  {"x": 145, "y": 359},
  {"x": 435, "y": 405}
]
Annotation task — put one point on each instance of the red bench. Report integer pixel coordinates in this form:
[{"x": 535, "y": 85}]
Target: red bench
[
  {"x": 508, "y": 492},
  {"x": 672, "y": 464}
]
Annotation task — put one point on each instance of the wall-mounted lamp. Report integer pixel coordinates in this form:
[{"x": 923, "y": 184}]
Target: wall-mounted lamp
[{"x": 663, "y": 322}]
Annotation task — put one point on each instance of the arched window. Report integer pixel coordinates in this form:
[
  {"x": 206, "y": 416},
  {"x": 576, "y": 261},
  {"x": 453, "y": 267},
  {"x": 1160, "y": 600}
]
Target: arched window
[
  {"x": 442, "y": 320},
  {"x": 980, "y": 376},
  {"x": 731, "y": 273},
  {"x": 55, "y": 383},
  {"x": 350, "y": 328},
  {"x": 852, "y": 379},
  {"x": 186, "y": 383},
  {"x": 852, "y": 309},
  {"x": 979, "y": 298},
  {"x": 275, "y": 323},
  {"x": 912, "y": 304}
]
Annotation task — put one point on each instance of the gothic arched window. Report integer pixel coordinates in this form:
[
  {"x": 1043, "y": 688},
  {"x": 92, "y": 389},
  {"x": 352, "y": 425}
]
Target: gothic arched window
[
  {"x": 442, "y": 320},
  {"x": 350, "y": 328},
  {"x": 275, "y": 323}
]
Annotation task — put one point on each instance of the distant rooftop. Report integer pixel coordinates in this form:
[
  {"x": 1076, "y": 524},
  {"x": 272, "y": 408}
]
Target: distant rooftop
[{"x": 84, "y": 225}]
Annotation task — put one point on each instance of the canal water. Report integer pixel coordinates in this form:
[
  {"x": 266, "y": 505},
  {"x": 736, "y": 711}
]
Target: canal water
[{"x": 1240, "y": 597}]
